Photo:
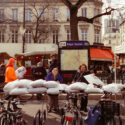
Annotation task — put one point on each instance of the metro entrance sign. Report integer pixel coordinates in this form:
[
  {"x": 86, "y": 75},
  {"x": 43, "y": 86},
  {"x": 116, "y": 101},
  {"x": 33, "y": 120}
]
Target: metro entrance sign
[
  {"x": 73, "y": 44},
  {"x": 71, "y": 55}
]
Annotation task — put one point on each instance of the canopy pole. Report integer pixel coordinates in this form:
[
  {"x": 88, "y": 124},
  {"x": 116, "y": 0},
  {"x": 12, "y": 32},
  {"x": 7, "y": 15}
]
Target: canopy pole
[{"x": 115, "y": 68}]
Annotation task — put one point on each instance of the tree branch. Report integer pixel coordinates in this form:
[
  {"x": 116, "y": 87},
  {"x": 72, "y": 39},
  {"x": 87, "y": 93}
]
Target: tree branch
[
  {"x": 90, "y": 20},
  {"x": 79, "y": 3},
  {"x": 102, "y": 14},
  {"x": 67, "y": 3}
]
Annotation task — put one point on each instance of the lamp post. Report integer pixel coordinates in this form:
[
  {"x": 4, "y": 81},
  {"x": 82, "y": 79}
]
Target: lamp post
[{"x": 23, "y": 49}]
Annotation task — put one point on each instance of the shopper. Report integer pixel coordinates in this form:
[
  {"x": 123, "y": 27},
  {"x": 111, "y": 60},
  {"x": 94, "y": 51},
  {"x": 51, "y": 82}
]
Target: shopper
[
  {"x": 53, "y": 99},
  {"x": 53, "y": 62},
  {"x": 39, "y": 73},
  {"x": 79, "y": 77}
]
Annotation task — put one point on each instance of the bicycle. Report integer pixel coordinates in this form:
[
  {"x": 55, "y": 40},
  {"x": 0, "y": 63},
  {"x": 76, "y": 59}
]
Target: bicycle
[
  {"x": 39, "y": 118},
  {"x": 71, "y": 114},
  {"x": 107, "y": 109},
  {"x": 9, "y": 115}
]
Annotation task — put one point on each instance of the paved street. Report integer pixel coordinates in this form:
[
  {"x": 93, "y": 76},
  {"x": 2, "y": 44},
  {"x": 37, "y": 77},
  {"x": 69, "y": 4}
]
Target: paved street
[{"x": 31, "y": 107}]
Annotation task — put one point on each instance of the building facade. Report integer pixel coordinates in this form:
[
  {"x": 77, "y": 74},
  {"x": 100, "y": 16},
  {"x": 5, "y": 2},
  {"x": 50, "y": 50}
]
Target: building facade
[
  {"x": 45, "y": 23},
  {"x": 111, "y": 32}
]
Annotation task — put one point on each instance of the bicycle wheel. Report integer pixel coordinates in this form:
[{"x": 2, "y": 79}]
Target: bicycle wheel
[
  {"x": 42, "y": 118},
  {"x": 111, "y": 122},
  {"x": 4, "y": 121},
  {"x": 62, "y": 119},
  {"x": 1, "y": 120},
  {"x": 22, "y": 122}
]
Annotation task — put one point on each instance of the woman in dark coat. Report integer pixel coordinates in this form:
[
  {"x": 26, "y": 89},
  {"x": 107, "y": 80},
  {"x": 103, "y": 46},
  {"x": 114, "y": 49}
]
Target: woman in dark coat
[{"x": 79, "y": 77}]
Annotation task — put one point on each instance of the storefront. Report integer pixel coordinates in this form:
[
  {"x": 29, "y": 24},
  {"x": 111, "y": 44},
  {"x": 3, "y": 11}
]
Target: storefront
[
  {"x": 101, "y": 59},
  {"x": 4, "y": 57}
]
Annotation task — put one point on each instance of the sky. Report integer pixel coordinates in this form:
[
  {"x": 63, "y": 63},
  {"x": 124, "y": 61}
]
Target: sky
[{"x": 114, "y": 3}]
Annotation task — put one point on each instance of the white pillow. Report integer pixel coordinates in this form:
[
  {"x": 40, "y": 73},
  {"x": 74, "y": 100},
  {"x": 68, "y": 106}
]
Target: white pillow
[
  {"x": 113, "y": 88},
  {"x": 53, "y": 91},
  {"x": 51, "y": 84},
  {"x": 37, "y": 90},
  {"x": 63, "y": 86},
  {"x": 91, "y": 89},
  {"x": 78, "y": 86},
  {"x": 68, "y": 90},
  {"x": 18, "y": 91},
  {"x": 38, "y": 83},
  {"x": 9, "y": 86},
  {"x": 23, "y": 83}
]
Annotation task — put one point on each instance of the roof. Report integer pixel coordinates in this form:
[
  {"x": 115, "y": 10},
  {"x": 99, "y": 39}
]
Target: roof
[{"x": 101, "y": 54}]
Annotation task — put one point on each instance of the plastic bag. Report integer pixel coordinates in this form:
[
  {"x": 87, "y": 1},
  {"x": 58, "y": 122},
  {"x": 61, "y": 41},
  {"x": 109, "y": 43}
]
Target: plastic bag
[
  {"x": 38, "y": 83},
  {"x": 20, "y": 72},
  {"x": 92, "y": 79},
  {"x": 92, "y": 117},
  {"x": 18, "y": 91},
  {"x": 53, "y": 91},
  {"x": 37, "y": 90}
]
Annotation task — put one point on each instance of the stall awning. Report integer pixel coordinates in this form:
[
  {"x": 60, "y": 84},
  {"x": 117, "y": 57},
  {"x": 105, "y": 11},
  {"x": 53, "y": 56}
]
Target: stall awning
[{"x": 101, "y": 54}]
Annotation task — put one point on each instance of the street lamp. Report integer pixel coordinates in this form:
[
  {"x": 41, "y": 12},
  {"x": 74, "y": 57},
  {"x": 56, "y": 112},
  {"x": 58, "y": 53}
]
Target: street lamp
[{"x": 23, "y": 31}]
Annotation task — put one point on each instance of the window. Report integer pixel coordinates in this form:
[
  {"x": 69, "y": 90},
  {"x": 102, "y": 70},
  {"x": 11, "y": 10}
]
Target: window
[
  {"x": 14, "y": 36},
  {"x": 28, "y": 14},
  {"x": 55, "y": 14},
  {"x": 97, "y": 11},
  {"x": 68, "y": 15},
  {"x": 14, "y": 14},
  {"x": 68, "y": 35},
  {"x": 84, "y": 34},
  {"x": 109, "y": 41},
  {"x": 28, "y": 36},
  {"x": 1, "y": 36},
  {"x": 41, "y": 14},
  {"x": 1, "y": 15},
  {"x": 55, "y": 36},
  {"x": 97, "y": 36},
  {"x": 84, "y": 12}
]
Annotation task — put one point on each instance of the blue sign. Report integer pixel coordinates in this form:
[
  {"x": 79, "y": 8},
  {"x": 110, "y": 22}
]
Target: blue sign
[{"x": 76, "y": 43}]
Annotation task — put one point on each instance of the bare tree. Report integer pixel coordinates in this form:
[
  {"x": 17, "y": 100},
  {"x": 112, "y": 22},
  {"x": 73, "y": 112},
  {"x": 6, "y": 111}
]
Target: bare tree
[
  {"x": 74, "y": 19},
  {"x": 39, "y": 31}
]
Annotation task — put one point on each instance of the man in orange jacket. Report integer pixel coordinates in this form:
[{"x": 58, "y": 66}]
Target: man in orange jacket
[
  {"x": 10, "y": 76},
  {"x": 10, "y": 72}
]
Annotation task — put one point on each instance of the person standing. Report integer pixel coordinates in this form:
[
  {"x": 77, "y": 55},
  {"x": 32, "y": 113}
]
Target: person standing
[
  {"x": 39, "y": 73},
  {"x": 10, "y": 71},
  {"x": 10, "y": 75},
  {"x": 53, "y": 99},
  {"x": 2, "y": 73},
  {"x": 53, "y": 62},
  {"x": 79, "y": 77}
]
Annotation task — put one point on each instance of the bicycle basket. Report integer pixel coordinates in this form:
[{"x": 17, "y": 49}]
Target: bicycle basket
[{"x": 109, "y": 109}]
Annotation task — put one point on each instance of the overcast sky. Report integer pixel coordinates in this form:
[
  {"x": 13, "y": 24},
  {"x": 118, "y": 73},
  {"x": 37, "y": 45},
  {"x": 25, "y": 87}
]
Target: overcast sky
[{"x": 114, "y": 3}]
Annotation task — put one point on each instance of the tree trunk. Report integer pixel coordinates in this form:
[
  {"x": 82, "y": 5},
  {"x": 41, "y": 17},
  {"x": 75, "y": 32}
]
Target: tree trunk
[{"x": 74, "y": 23}]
